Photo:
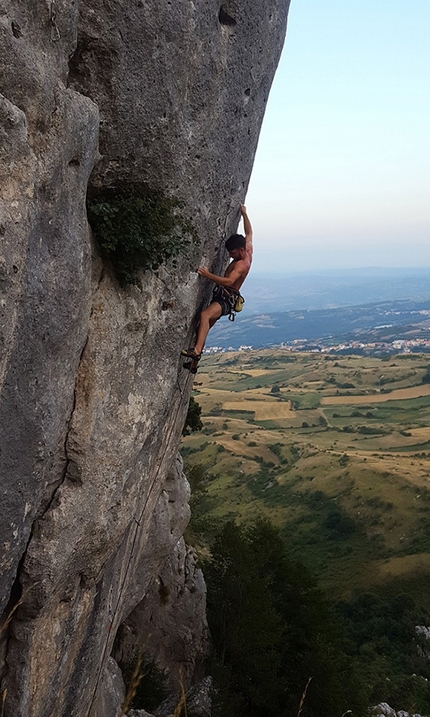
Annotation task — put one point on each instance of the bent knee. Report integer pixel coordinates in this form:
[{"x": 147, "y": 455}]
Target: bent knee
[{"x": 212, "y": 312}]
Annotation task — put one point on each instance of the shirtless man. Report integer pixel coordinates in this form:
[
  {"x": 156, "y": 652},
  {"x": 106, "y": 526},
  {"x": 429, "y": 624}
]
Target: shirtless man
[{"x": 240, "y": 250}]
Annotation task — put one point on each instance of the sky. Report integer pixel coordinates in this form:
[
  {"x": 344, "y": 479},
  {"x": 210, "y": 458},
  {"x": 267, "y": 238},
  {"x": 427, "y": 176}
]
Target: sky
[{"x": 341, "y": 177}]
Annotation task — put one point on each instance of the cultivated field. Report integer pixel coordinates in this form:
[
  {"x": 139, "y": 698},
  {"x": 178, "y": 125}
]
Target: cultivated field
[{"x": 335, "y": 450}]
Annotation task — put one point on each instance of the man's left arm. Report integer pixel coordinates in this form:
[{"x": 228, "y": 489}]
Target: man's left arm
[{"x": 226, "y": 281}]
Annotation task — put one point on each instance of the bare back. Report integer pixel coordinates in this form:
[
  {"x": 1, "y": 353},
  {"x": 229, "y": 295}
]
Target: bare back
[{"x": 239, "y": 265}]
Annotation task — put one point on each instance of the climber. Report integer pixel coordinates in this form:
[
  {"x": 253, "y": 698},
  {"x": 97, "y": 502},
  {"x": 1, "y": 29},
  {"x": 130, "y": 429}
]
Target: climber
[{"x": 227, "y": 287}]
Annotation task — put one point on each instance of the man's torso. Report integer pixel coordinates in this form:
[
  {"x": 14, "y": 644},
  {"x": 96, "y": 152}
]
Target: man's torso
[{"x": 246, "y": 267}]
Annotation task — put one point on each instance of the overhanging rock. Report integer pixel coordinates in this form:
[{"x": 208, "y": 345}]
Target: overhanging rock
[{"x": 93, "y": 397}]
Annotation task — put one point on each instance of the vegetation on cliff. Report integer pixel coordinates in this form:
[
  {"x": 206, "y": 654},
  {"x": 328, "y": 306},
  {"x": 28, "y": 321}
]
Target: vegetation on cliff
[
  {"x": 193, "y": 420},
  {"x": 138, "y": 227}
]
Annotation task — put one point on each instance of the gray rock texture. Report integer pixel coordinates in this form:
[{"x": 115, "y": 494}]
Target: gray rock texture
[
  {"x": 198, "y": 701},
  {"x": 112, "y": 697},
  {"x": 93, "y": 395},
  {"x": 384, "y": 710}
]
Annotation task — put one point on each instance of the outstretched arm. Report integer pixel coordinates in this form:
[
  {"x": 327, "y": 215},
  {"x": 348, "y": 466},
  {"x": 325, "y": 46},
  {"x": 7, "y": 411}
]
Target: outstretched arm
[
  {"x": 239, "y": 268},
  {"x": 247, "y": 228}
]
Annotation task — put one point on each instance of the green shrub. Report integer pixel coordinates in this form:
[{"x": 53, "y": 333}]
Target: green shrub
[
  {"x": 137, "y": 227},
  {"x": 147, "y": 681},
  {"x": 276, "y": 448},
  {"x": 193, "y": 420},
  {"x": 426, "y": 377},
  {"x": 339, "y": 524},
  {"x": 369, "y": 431}
]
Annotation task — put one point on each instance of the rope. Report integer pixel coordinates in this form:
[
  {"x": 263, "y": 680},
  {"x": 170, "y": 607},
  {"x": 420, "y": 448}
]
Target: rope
[
  {"x": 55, "y": 33},
  {"x": 135, "y": 525},
  {"x": 224, "y": 234}
]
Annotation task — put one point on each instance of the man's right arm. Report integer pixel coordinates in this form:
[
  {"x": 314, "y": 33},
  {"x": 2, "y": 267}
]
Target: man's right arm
[{"x": 247, "y": 228}]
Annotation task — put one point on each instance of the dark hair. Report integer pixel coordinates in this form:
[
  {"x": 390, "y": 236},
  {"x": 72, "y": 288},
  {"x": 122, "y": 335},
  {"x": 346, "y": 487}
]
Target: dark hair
[{"x": 236, "y": 241}]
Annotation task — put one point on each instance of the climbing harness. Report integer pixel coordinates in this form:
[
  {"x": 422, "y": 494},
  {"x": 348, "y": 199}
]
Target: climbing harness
[{"x": 231, "y": 297}]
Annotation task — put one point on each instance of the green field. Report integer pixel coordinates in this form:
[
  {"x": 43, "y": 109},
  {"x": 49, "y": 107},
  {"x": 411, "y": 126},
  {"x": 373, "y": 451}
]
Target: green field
[{"x": 334, "y": 450}]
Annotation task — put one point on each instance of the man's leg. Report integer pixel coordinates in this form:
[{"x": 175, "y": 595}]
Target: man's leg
[{"x": 208, "y": 318}]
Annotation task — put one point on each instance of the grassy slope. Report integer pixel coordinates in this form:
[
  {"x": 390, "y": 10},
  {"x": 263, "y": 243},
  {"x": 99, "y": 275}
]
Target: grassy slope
[{"x": 337, "y": 458}]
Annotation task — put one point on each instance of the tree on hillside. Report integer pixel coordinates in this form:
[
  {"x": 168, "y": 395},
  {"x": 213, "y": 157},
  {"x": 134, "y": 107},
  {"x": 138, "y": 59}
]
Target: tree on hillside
[
  {"x": 426, "y": 377},
  {"x": 392, "y": 654},
  {"x": 272, "y": 629}
]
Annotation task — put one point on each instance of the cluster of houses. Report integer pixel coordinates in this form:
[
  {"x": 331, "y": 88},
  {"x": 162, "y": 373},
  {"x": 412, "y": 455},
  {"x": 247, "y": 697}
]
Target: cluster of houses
[{"x": 322, "y": 346}]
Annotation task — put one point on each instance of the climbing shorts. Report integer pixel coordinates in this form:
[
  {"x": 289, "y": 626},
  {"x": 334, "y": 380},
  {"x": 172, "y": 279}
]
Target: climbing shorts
[{"x": 225, "y": 298}]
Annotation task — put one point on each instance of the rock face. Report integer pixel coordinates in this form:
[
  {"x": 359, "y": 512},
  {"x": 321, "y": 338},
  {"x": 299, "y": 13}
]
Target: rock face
[
  {"x": 384, "y": 710},
  {"x": 93, "y": 396},
  {"x": 169, "y": 623}
]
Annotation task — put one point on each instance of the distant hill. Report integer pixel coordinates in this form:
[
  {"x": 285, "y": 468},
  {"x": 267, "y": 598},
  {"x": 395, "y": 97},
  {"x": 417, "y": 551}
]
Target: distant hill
[
  {"x": 323, "y": 290},
  {"x": 385, "y": 320}
]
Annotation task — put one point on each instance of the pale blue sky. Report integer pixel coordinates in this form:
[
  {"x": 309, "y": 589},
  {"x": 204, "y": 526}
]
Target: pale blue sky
[{"x": 342, "y": 172}]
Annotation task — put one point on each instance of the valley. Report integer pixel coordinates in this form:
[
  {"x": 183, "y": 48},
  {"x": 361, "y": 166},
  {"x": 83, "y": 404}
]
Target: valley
[{"x": 335, "y": 450}]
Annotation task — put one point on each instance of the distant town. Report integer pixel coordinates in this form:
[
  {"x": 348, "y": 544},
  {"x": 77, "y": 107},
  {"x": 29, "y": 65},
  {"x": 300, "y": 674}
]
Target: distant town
[
  {"x": 382, "y": 328},
  {"x": 373, "y": 348}
]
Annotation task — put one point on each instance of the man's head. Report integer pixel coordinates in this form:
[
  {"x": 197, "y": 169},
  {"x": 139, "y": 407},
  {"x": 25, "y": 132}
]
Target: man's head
[{"x": 234, "y": 243}]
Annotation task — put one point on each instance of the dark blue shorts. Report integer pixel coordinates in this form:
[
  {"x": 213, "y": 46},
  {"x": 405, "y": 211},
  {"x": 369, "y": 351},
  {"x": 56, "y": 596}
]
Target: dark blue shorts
[
  {"x": 226, "y": 299},
  {"x": 225, "y": 306}
]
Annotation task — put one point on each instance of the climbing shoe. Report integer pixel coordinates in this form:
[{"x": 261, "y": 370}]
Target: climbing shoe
[
  {"x": 191, "y": 366},
  {"x": 190, "y": 353}
]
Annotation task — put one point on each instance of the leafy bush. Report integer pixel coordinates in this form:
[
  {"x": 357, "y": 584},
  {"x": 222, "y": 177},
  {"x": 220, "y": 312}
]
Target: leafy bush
[
  {"x": 276, "y": 448},
  {"x": 369, "y": 431},
  {"x": 426, "y": 377},
  {"x": 344, "y": 459},
  {"x": 146, "y": 681},
  {"x": 137, "y": 227},
  {"x": 388, "y": 650},
  {"x": 193, "y": 421},
  {"x": 339, "y": 525}
]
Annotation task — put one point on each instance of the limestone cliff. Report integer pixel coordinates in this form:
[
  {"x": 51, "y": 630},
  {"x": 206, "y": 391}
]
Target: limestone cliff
[{"x": 93, "y": 395}]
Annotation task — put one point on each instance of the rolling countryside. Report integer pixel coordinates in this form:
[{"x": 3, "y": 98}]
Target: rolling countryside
[{"x": 334, "y": 450}]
